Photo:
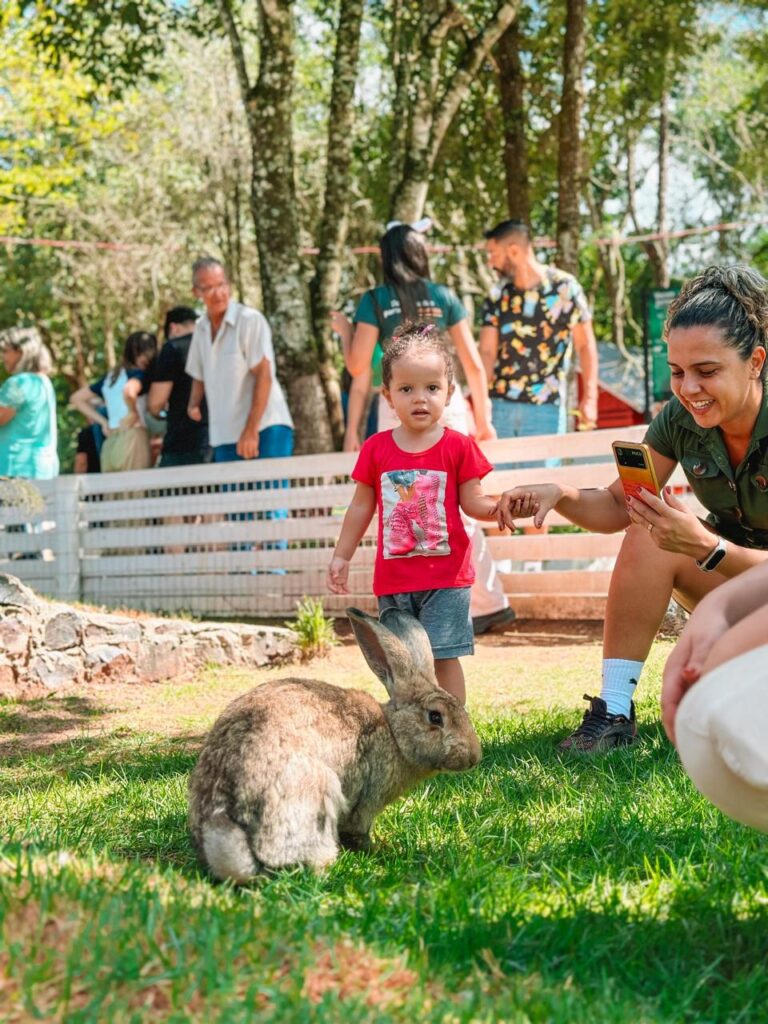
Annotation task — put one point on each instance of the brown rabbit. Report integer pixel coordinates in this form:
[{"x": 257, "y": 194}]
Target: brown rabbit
[{"x": 295, "y": 767}]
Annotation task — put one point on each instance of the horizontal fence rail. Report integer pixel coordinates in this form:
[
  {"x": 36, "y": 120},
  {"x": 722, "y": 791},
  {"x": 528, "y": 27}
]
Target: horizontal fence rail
[{"x": 250, "y": 539}]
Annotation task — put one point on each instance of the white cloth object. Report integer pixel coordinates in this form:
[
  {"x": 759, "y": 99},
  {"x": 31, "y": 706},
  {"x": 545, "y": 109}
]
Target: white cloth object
[
  {"x": 224, "y": 365},
  {"x": 721, "y": 729}
]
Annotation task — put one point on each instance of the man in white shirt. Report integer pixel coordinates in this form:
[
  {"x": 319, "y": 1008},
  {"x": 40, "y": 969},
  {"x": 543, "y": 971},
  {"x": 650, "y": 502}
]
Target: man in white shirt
[{"x": 232, "y": 362}]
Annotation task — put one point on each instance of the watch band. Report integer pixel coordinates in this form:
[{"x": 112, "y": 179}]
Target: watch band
[{"x": 714, "y": 558}]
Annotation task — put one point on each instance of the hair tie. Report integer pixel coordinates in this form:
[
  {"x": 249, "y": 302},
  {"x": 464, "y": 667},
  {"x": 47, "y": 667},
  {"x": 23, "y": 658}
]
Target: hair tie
[{"x": 420, "y": 226}]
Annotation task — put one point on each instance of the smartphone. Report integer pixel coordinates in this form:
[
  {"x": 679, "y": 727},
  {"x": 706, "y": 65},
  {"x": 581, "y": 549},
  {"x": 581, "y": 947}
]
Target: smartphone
[{"x": 636, "y": 470}]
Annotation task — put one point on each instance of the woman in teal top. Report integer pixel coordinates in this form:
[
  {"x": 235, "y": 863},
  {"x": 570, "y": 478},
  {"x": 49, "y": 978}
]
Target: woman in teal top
[
  {"x": 28, "y": 434},
  {"x": 408, "y": 293}
]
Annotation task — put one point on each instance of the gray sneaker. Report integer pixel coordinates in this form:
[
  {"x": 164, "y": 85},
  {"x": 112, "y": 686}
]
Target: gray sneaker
[{"x": 600, "y": 731}]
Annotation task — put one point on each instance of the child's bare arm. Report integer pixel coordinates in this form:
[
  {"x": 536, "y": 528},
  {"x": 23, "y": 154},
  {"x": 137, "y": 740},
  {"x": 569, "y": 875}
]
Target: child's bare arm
[
  {"x": 476, "y": 504},
  {"x": 356, "y": 522}
]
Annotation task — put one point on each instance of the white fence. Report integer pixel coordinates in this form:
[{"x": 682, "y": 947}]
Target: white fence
[{"x": 202, "y": 539}]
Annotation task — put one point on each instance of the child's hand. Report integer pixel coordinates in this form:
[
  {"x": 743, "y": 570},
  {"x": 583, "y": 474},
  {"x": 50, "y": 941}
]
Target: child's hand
[
  {"x": 338, "y": 574},
  {"x": 522, "y": 503}
]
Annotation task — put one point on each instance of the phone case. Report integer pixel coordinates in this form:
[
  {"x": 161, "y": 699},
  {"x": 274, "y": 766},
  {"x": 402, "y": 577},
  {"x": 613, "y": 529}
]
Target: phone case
[{"x": 635, "y": 467}]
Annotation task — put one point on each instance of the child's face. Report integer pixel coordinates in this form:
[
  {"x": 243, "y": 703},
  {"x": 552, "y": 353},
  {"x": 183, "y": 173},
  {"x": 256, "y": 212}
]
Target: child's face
[{"x": 418, "y": 391}]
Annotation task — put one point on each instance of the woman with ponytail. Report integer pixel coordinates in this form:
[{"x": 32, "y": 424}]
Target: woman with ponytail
[{"x": 716, "y": 427}]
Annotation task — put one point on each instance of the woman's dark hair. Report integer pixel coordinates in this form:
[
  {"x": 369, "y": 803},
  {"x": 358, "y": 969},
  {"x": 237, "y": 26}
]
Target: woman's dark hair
[
  {"x": 419, "y": 336},
  {"x": 735, "y": 299},
  {"x": 138, "y": 344},
  {"x": 405, "y": 263}
]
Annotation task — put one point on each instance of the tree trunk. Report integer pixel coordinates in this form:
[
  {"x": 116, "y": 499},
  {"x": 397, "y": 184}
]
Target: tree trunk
[
  {"x": 324, "y": 288},
  {"x": 513, "y": 119},
  {"x": 434, "y": 106},
  {"x": 269, "y": 108},
  {"x": 658, "y": 252},
  {"x": 569, "y": 163}
]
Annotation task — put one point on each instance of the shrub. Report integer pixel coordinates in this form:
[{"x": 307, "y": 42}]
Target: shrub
[{"x": 315, "y": 634}]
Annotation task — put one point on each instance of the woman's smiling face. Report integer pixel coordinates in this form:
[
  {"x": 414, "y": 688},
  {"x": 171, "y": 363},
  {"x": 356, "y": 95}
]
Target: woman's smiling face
[{"x": 713, "y": 382}]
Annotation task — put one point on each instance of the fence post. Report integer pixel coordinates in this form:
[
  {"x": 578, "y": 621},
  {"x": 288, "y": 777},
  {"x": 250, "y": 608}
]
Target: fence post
[{"x": 66, "y": 539}]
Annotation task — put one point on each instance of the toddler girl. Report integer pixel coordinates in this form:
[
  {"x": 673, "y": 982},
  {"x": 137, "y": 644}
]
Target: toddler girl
[{"x": 419, "y": 476}]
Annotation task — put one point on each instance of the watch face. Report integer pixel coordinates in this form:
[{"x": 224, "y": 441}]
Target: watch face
[{"x": 714, "y": 559}]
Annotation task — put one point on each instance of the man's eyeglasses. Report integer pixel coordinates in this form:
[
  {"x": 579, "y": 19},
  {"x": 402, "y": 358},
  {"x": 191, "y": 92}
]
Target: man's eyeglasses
[{"x": 208, "y": 288}]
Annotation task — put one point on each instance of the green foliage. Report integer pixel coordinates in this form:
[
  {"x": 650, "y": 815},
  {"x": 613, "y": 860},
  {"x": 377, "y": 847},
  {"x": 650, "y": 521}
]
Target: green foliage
[
  {"x": 315, "y": 634},
  {"x": 20, "y": 494}
]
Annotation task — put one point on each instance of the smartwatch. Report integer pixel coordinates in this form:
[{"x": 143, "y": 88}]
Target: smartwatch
[{"x": 714, "y": 558}]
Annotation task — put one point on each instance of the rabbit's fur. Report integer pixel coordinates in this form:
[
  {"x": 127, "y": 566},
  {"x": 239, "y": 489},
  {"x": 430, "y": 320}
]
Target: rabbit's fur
[{"x": 297, "y": 767}]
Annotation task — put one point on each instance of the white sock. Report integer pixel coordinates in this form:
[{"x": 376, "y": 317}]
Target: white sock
[{"x": 619, "y": 681}]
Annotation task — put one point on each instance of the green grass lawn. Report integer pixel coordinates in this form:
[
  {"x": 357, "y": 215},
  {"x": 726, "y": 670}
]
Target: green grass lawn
[{"x": 531, "y": 889}]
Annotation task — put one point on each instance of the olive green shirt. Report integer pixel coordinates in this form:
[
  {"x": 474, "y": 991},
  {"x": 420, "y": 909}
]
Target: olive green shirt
[{"x": 737, "y": 499}]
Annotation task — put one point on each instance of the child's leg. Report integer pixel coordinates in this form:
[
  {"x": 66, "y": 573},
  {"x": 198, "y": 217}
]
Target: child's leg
[{"x": 450, "y": 676}]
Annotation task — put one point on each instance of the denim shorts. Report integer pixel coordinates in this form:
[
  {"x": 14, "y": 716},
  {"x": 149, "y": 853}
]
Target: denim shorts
[{"x": 444, "y": 614}]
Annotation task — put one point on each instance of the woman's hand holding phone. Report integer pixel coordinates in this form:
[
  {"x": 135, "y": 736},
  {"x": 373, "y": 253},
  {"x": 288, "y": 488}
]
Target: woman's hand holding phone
[{"x": 672, "y": 524}]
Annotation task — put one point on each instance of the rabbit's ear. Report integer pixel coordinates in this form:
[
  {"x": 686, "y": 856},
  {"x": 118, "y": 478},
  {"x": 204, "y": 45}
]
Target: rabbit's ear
[
  {"x": 401, "y": 656},
  {"x": 410, "y": 631}
]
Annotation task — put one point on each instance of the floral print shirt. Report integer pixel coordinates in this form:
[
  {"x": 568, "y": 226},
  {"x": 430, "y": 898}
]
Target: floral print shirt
[{"x": 535, "y": 336}]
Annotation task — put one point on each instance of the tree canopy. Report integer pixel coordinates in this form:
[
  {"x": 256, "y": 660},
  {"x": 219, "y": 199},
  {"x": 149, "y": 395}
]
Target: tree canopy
[{"x": 142, "y": 135}]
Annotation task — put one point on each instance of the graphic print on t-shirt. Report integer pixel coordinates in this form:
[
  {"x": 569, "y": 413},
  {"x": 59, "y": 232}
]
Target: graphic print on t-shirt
[{"x": 413, "y": 510}]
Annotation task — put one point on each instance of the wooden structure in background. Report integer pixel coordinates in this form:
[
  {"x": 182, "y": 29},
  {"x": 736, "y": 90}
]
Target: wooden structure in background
[{"x": 203, "y": 539}]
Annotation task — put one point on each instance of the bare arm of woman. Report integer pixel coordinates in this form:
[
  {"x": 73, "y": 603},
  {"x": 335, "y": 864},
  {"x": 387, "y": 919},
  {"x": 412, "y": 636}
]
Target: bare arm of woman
[
  {"x": 677, "y": 528},
  {"x": 7, "y": 413},
  {"x": 599, "y": 509},
  {"x": 131, "y": 392},
  {"x": 85, "y": 401},
  {"x": 360, "y": 353},
  {"x": 358, "y": 399},
  {"x": 477, "y": 379}
]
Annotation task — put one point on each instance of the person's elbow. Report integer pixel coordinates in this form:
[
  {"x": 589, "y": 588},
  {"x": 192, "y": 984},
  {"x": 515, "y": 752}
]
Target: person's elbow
[{"x": 155, "y": 404}]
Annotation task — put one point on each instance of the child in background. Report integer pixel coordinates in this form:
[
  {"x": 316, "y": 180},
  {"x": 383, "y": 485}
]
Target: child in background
[
  {"x": 418, "y": 476},
  {"x": 122, "y": 393}
]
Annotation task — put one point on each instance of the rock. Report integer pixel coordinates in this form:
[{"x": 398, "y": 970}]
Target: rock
[
  {"x": 46, "y": 647},
  {"x": 55, "y": 670},
  {"x": 14, "y": 594},
  {"x": 14, "y": 637},
  {"x": 8, "y": 684},
  {"x": 62, "y": 631}
]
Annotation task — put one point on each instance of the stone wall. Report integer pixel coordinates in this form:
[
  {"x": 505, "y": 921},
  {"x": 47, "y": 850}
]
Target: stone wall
[{"x": 47, "y": 647}]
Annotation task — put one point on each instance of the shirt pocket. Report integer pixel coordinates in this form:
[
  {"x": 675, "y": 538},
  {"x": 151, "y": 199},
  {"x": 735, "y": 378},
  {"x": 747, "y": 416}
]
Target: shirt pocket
[{"x": 710, "y": 485}]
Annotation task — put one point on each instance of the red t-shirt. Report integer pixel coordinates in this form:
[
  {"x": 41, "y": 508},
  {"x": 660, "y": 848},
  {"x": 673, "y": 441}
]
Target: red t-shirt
[{"x": 422, "y": 543}]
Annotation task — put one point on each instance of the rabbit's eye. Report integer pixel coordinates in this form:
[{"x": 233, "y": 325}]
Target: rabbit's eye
[{"x": 435, "y": 718}]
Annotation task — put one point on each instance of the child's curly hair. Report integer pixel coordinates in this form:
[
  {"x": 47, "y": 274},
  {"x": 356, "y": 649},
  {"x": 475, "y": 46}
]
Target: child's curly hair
[{"x": 416, "y": 336}]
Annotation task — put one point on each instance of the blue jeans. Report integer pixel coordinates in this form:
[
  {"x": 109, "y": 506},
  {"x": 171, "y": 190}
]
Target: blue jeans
[
  {"x": 522, "y": 419},
  {"x": 274, "y": 443}
]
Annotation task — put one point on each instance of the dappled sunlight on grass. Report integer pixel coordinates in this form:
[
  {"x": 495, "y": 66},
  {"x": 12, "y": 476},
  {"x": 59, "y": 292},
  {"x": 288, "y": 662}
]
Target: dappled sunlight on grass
[{"x": 535, "y": 887}]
